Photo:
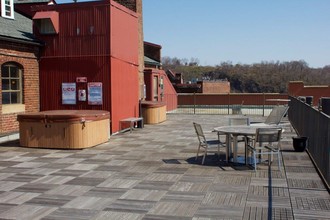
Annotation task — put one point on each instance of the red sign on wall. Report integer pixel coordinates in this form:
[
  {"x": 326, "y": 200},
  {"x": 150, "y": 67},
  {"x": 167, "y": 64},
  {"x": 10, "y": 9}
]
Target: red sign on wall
[{"x": 81, "y": 79}]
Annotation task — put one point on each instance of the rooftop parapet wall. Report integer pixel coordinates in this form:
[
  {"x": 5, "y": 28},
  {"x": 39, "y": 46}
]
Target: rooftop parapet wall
[{"x": 297, "y": 88}]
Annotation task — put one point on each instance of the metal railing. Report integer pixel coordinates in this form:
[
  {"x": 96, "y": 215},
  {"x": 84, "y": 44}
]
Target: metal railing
[
  {"x": 231, "y": 103},
  {"x": 262, "y": 110},
  {"x": 310, "y": 122}
]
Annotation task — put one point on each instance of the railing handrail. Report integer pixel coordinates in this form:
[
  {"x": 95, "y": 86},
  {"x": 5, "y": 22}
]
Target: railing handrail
[{"x": 310, "y": 122}]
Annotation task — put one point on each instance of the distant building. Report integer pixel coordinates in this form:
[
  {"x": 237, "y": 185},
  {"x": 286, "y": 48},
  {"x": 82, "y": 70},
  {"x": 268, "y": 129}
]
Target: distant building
[
  {"x": 204, "y": 86},
  {"x": 158, "y": 87},
  {"x": 297, "y": 88},
  {"x": 214, "y": 86}
]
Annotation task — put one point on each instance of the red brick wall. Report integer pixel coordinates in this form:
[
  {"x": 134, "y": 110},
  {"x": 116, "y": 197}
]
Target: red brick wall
[
  {"x": 25, "y": 56},
  {"x": 297, "y": 88},
  {"x": 215, "y": 87}
]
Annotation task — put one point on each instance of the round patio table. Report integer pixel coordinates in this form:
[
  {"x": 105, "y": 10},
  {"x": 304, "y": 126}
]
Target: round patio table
[{"x": 232, "y": 133}]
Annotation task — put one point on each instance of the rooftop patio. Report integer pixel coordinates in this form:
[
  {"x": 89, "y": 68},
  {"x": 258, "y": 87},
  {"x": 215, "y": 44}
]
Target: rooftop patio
[{"x": 152, "y": 173}]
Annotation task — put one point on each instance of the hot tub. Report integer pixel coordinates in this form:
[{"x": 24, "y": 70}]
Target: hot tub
[
  {"x": 153, "y": 112},
  {"x": 64, "y": 129}
]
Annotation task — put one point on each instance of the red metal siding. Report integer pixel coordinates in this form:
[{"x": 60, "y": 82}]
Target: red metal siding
[
  {"x": 55, "y": 71},
  {"x": 169, "y": 97},
  {"x": 124, "y": 34},
  {"x": 124, "y": 91},
  {"x": 25, "y": 8},
  {"x": 82, "y": 48},
  {"x": 83, "y": 31}
]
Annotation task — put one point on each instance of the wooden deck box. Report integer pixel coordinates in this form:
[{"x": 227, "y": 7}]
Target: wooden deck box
[
  {"x": 153, "y": 112},
  {"x": 64, "y": 129}
]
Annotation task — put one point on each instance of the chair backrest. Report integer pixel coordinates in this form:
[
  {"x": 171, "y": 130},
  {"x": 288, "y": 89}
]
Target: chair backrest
[
  {"x": 268, "y": 135},
  {"x": 276, "y": 115},
  {"x": 199, "y": 132},
  {"x": 239, "y": 121}
]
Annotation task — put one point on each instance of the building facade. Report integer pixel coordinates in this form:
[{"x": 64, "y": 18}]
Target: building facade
[
  {"x": 19, "y": 52},
  {"x": 90, "y": 59}
]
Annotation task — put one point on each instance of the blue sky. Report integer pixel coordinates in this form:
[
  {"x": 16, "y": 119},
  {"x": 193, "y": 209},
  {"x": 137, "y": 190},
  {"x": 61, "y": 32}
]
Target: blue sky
[{"x": 240, "y": 31}]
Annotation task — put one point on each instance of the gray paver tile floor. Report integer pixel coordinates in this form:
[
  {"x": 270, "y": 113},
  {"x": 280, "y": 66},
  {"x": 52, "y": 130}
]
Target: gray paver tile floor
[{"x": 152, "y": 173}]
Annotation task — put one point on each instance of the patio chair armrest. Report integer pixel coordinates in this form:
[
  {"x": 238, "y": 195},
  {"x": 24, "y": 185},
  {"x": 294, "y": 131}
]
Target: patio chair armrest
[{"x": 274, "y": 149}]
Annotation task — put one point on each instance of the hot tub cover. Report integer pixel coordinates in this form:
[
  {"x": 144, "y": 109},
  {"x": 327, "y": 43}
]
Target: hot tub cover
[{"x": 65, "y": 115}]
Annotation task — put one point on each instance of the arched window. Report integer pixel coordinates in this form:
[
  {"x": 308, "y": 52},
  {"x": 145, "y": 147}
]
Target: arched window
[{"x": 11, "y": 78}]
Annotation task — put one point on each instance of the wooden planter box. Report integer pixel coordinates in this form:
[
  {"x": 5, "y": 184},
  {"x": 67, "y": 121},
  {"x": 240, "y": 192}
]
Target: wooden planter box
[
  {"x": 64, "y": 129},
  {"x": 153, "y": 112}
]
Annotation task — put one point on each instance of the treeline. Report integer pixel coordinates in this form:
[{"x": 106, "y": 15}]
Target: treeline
[{"x": 260, "y": 77}]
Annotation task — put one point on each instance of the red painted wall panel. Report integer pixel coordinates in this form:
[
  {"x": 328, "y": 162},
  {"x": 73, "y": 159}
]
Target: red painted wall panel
[
  {"x": 83, "y": 31},
  {"x": 124, "y": 35},
  {"x": 55, "y": 71},
  {"x": 124, "y": 91},
  {"x": 170, "y": 96}
]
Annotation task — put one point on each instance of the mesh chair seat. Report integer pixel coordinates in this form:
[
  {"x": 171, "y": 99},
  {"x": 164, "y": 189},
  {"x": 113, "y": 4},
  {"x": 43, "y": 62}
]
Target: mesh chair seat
[
  {"x": 275, "y": 117},
  {"x": 207, "y": 145}
]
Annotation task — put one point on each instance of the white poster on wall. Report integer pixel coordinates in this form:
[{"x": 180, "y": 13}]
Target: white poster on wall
[
  {"x": 94, "y": 93},
  {"x": 69, "y": 93}
]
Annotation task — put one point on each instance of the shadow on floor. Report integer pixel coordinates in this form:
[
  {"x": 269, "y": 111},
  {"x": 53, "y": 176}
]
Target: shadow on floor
[
  {"x": 13, "y": 143},
  {"x": 210, "y": 160}
]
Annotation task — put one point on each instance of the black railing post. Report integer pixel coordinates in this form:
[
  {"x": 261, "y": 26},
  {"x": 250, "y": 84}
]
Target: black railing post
[
  {"x": 194, "y": 103},
  {"x": 228, "y": 102},
  {"x": 263, "y": 104}
]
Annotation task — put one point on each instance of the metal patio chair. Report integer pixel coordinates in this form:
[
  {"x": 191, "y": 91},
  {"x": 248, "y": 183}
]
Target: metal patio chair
[
  {"x": 208, "y": 145},
  {"x": 267, "y": 141},
  {"x": 275, "y": 117}
]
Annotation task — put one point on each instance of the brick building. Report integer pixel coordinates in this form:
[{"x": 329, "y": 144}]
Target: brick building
[
  {"x": 19, "y": 52},
  {"x": 204, "y": 86},
  {"x": 159, "y": 88},
  {"x": 215, "y": 86},
  {"x": 297, "y": 88}
]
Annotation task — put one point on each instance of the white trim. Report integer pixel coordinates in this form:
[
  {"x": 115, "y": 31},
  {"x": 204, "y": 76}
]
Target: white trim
[
  {"x": 9, "y": 137},
  {"x": 4, "y": 3},
  {"x": 13, "y": 108}
]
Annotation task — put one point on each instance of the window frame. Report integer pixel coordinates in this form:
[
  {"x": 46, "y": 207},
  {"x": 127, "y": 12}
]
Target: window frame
[
  {"x": 19, "y": 91},
  {"x": 5, "y": 4}
]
